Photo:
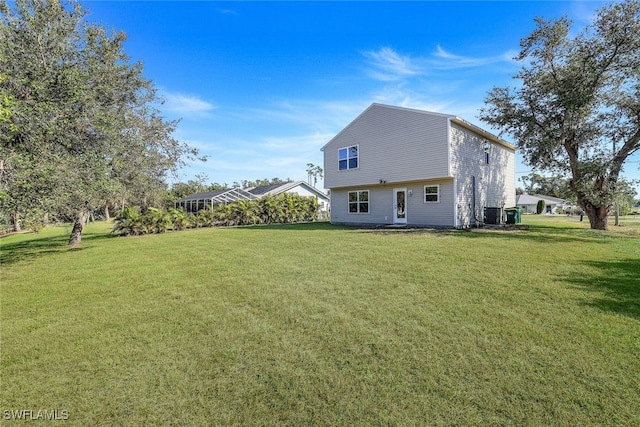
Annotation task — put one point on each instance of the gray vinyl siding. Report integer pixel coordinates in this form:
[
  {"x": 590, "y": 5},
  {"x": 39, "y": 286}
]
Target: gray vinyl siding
[
  {"x": 395, "y": 145},
  {"x": 381, "y": 200},
  {"x": 406, "y": 148},
  {"x": 495, "y": 182}
]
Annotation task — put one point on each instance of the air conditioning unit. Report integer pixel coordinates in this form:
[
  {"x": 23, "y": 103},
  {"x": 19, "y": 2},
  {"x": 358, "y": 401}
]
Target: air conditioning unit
[{"x": 492, "y": 215}]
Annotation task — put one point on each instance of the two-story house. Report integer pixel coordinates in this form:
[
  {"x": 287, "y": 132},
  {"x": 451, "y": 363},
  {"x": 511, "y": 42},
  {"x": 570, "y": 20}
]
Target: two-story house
[{"x": 395, "y": 165}]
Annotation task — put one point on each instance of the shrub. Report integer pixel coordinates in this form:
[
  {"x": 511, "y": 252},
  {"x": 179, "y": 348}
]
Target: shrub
[
  {"x": 205, "y": 218},
  {"x": 180, "y": 219},
  {"x": 540, "y": 206},
  {"x": 284, "y": 208},
  {"x": 157, "y": 220},
  {"x": 129, "y": 222}
]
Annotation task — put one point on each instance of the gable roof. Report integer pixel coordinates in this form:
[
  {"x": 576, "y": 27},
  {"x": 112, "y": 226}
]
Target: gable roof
[
  {"x": 220, "y": 196},
  {"x": 470, "y": 126},
  {"x": 454, "y": 119},
  {"x": 283, "y": 187},
  {"x": 266, "y": 189},
  {"x": 203, "y": 195},
  {"x": 550, "y": 198},
  {"x": 234, "y": 194},
  {"x": 532, "y": 199}
]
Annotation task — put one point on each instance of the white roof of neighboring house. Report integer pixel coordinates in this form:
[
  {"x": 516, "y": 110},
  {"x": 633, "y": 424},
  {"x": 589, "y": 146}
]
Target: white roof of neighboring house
[
  {"x": 220, "y": 196},
  {"x": 529, "y": 199},
  {"x": 284, "y": 187},
  {"x": 235, "y": 194}
]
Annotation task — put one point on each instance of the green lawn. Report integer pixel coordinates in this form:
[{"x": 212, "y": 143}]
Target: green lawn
[{"x": 315, "y": 324}]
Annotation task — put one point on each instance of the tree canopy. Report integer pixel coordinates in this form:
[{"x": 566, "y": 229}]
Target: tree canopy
[
  {"x": 576, "y": 112},
  {"x": 79, "y": 123},
  {"x": 554, "y": 186}
]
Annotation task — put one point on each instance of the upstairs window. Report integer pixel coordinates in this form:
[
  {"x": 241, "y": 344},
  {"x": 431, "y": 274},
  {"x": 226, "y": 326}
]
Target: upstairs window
[
  {"x": 486, "y": 147},
  {"x": 348, "y": 158}
]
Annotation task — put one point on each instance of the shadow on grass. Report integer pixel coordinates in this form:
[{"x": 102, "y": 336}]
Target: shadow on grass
[
  {"x": 31, "y": 248},
  {"x": 302, "y": 226},
  {"x": 35, "y": 247},
  {"x": 617, "y": 284},
  {"x": 534, "y": 233}
]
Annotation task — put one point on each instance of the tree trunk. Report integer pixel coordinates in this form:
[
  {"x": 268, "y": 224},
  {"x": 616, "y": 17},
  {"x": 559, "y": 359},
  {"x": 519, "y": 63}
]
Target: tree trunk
[
  {"x": 78, "y": 227},
  {"x": 106, "y": 212},
  {"x": 15, "y": 218},
  {"x": 598, "y": 216}
]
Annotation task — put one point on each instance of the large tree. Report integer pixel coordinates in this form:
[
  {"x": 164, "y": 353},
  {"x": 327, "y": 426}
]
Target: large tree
[
  {"x": 577, "y": 110},
  {"x": 79, "y": 124}
]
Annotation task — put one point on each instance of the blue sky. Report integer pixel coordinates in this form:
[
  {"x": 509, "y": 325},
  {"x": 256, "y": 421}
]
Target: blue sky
[{"x": 262, "y": 86}]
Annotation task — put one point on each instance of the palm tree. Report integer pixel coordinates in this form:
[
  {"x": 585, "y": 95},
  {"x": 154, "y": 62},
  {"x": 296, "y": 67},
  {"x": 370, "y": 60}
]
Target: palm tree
[
  {"x": 179, "y": 218},
  {"x": 314, "y": 172}
]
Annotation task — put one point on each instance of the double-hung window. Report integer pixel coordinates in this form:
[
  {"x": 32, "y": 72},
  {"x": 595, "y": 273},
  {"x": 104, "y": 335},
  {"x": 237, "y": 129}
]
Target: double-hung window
[
  {"x": 431, "y": 193},
  {"x": 359, "y": 201},
  {"x": 348, "y": 158}
]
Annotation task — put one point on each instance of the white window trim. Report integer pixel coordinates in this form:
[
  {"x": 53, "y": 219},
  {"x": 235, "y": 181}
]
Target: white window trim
[
  {"x": 424, "y": 194},
  {"x": 368, "y": 201},
  {"x": 358, "y": 157},
  {"x": 486, "y": 149}
]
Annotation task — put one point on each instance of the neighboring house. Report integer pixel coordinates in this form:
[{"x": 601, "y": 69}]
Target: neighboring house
[
  {"x": 529, "y": 203},
  {"x": 198, "y": 201},
  {"x": 300, "y": 188},
  {"x": 394, "y": 165}
]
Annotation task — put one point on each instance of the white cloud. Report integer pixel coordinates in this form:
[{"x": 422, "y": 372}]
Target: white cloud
[
  {"x": 185, "y": 104},
  {"x": 389, "y": 65},
  {"x": 227, "y": 12},
  {"x": 447, "y": 60}
]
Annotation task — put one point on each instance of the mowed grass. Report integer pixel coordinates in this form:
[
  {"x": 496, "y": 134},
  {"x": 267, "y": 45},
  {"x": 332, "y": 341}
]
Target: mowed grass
[{"x": 315, "y": 324}]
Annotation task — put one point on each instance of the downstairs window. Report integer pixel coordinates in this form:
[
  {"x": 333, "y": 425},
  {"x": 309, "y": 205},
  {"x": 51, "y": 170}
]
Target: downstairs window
[
  {"x": 431, "y": 193},
  {"x": 359, "y": 201}
]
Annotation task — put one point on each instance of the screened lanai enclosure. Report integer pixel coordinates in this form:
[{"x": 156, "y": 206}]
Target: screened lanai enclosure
[{"x": 199, "y": 201}]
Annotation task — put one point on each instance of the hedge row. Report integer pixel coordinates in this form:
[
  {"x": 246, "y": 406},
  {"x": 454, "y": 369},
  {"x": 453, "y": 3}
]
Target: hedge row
[{"x": 280, "y": 209}]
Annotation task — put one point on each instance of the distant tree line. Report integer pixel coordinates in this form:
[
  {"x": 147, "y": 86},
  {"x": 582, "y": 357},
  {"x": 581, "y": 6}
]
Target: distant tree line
[{"x": 624, "y": 198}]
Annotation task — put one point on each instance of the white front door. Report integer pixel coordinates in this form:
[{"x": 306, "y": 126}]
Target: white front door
[{"x": 400, "y": 205}]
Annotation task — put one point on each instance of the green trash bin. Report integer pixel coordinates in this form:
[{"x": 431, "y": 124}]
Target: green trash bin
[{"x": 513, "y": 215}]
